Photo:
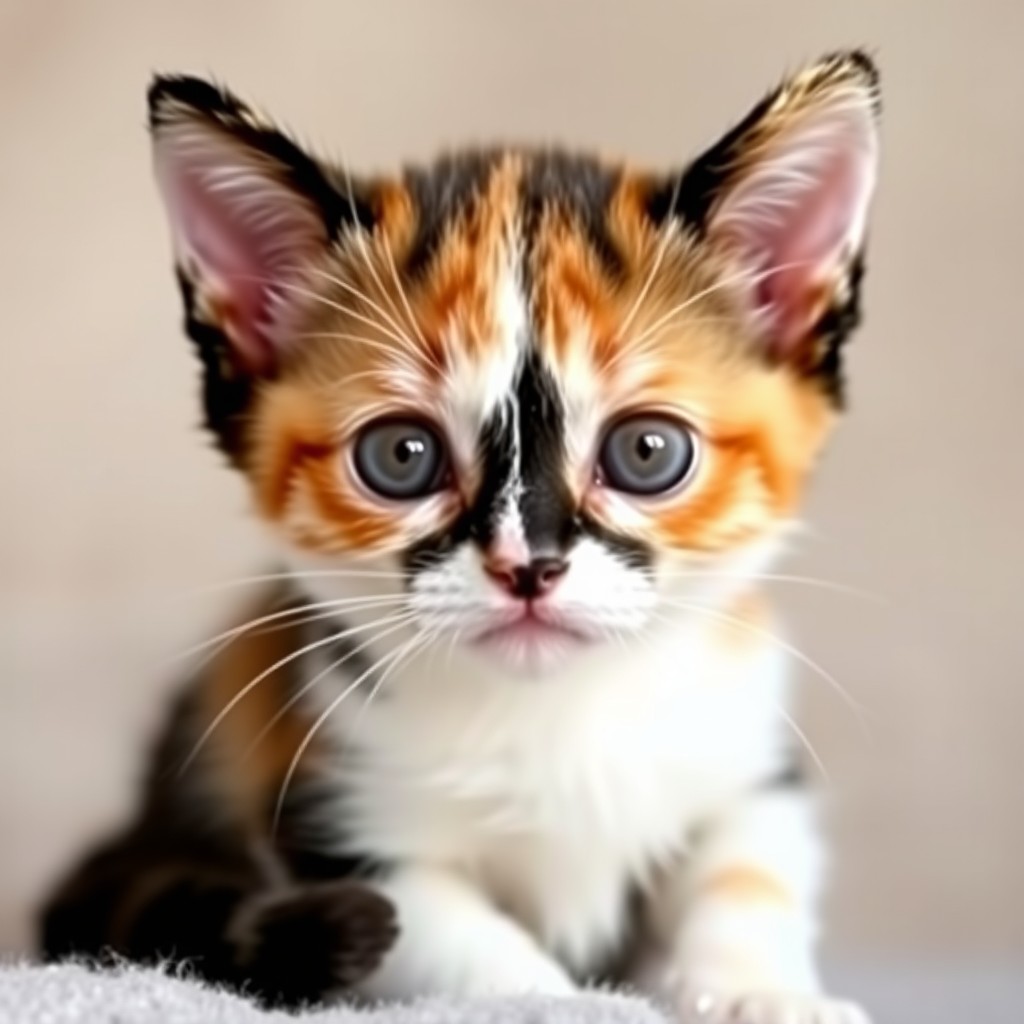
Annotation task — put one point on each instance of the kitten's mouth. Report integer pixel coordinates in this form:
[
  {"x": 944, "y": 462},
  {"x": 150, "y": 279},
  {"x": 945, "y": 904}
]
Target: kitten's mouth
[{"x": 531, "y": 629}]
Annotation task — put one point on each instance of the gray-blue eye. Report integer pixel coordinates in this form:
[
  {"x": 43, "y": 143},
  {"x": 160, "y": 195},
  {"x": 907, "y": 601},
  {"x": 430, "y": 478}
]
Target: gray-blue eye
[
  {"x": 647, "y": 454},
  {"x": 400, "y": 459}
]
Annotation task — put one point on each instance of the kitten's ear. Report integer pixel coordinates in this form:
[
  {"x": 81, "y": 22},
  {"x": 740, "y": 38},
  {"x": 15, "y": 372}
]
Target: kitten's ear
[
  {"x": 787, "y": 193},
  {"x": 249, "y": 212}
]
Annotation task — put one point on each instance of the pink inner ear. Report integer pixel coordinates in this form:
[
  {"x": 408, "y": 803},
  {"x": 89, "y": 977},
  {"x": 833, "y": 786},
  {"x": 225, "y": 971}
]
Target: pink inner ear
[
  {"x": 813, "y": 244},
  {"x": 241, "y": 234},
  {"x": 229, "y": 255},
  {"x": 796, "y": 218}
]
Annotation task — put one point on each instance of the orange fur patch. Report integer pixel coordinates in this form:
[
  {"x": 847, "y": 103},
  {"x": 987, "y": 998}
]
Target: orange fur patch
[
  {"x": 744, "y": 623},
  {"x": 252, "y": 773},
  {"x": 746, "y": 884}
]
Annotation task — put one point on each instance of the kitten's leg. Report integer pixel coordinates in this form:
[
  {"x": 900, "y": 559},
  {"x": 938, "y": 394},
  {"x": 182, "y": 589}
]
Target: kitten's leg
[
  {"x": 739, "y": 917},
  {"x": 149, "y": 902},
  {"x": 452, "y": 940}
]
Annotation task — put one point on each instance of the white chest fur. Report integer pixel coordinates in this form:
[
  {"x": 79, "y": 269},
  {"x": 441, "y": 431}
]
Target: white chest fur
[{"x": 555, "y": 795}]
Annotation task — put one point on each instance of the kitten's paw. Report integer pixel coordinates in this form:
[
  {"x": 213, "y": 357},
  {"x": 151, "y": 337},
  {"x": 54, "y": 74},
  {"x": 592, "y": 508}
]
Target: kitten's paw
[
  {"x": 301, "y": 945},
  {"x": 530, "y": 975},
  {"x": 706, "y": 1007}
]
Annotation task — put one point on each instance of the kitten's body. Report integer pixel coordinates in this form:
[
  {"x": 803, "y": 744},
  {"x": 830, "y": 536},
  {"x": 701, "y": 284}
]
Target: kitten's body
[
  {"x": 561, "y": 799},
  {"x": 527, "y": 693}
]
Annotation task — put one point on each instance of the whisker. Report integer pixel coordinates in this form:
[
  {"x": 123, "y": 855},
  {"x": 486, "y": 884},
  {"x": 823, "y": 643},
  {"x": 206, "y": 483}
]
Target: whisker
[
  {"x": 726, "y": 282},
  {"x": 409, "y": 650},
  {"x": 453, "y": 639},
  {"x": 794, "y": 652},
  {"x": 646, "y": 635},
  {"x": 339, "y": 307},
  {"x": 669, "y": 232},
  {"x": 318, "y": 725},
  {"x": 308, "y": 686},
  {"x": 361, "y": 242},
  {"x": 380, "y": 372},
  {"x": 792, "y": 724},
  {"x": 633, "y": 348},
  {"x": 803, "y": 738},
  {"x": 392, "y": 355},
  {"x": 428, "y": 668},
  {"x": 353, "y": 603},
  {"x": 253, "y": 683},
  {"x": 296, "y": 574},
  {"x": 810, "y": 581},
  {"x": 413, "y": 321},
  {"x": 297, "y": 289},
  {"x": 306, "y": 620},
  {"x": 620, "y": 637},
  {"x": 341, "y": 283},
  {"x": 223, "y": 642}
]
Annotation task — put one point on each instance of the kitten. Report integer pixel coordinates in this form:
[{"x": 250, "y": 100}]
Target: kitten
[{"x": 528, "y": 426}]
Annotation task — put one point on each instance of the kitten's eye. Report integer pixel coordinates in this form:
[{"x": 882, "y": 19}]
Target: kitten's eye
[
  {"x": 400, "y": 459},
  {"x": 647, "y": 454}
]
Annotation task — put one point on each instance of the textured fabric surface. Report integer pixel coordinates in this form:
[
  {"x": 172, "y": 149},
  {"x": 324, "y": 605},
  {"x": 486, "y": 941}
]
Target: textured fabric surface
[{"x": 72, "y": 994}]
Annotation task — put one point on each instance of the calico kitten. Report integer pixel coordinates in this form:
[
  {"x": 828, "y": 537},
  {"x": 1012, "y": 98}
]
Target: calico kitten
[{"x": 529, "y": 426}]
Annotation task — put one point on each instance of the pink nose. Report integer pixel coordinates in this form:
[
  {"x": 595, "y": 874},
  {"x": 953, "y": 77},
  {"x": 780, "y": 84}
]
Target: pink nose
[{"x": 535, "y": 579}]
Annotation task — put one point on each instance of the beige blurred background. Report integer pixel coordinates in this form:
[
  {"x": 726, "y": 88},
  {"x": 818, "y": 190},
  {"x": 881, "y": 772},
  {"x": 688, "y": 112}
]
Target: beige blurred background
[{"x": 108, "y": 486}]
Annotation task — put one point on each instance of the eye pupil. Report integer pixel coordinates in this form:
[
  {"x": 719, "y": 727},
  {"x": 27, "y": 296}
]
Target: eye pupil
[
  {"x": 407, "y": 448},
  {"x": 648, "y": 445}
]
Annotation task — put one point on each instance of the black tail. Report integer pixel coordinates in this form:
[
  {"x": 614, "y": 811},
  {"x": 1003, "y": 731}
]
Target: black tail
[{"x": 287, "y": 945}]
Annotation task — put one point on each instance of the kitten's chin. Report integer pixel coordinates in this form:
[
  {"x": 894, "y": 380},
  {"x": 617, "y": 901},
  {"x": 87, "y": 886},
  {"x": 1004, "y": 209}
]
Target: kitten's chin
[{"x": 530, "y": 647}]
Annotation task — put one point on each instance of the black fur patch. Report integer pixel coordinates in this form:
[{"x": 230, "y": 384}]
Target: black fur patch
[
  {"x": 443, "y": 194},
  {"x": 834, "y": 330},
  {"x": 581, "y": 186},
  {"x": 182, "y": 883},
  {"x": 431, "y": 550},
  {"x": 633, "y": 552},
  {"x": 546, "y": 503},
  {"x": 310, "y": 825},
  {"x": 297, "y": 169},
  {"x": 300, "y": 945},
  {"x": 497, "y": 451},
  {"x": 227, "y": 391},
  {"x": 146, "y": 899},
  {"x": 792, "y": 774},
  {"x": 153, "y": 901}
]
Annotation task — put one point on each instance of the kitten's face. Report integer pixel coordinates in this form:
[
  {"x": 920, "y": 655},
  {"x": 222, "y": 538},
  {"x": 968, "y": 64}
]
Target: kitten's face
[{"x": 550, "y": 399}]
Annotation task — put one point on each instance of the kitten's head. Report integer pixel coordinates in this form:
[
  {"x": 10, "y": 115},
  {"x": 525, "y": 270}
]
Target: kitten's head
[{"x": 545, "y": 397}]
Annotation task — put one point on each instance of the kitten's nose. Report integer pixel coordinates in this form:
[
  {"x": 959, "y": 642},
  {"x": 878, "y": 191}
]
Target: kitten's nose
[{"x": 534, "y": 579}]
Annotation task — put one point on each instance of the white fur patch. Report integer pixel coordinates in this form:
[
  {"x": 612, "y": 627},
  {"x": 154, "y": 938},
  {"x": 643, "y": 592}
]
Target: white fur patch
[
  {"x": 475, "y": 389},
  {"x": 551, "y": 795}
]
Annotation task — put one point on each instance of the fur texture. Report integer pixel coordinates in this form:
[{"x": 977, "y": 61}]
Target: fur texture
[{"x": 527, "y": 426}]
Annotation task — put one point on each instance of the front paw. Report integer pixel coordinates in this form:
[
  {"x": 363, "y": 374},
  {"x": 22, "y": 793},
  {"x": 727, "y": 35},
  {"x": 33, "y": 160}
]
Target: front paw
[
  {"x": 697, "y": 1006},
  {"x": 529, "y": 975},
  {"x": 298, "y": 946}
]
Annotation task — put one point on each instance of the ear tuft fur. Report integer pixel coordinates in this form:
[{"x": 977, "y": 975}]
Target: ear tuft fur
[{"x": 786, "y": 195}]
